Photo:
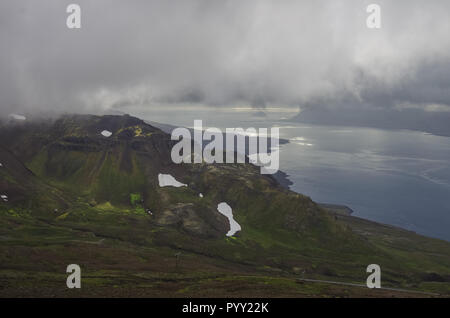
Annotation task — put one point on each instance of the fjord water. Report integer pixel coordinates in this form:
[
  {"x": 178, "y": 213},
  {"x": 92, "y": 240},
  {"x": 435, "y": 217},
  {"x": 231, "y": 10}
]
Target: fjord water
[{"x": 400, "y": 178}]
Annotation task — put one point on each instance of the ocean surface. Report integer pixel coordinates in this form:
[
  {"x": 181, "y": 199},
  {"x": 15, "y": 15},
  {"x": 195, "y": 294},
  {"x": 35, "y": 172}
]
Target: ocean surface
[{"x": 395, "y": 177}]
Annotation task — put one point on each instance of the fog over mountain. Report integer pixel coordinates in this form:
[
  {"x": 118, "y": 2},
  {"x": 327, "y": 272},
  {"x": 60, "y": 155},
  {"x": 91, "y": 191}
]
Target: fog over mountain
[{"x": 307, "y": 54}]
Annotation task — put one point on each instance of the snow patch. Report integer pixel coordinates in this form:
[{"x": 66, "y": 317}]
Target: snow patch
[
  {"x": 166, "y": 180},
  {"x": 226, "y": 210},
  {"x": 106, "y": 133}
]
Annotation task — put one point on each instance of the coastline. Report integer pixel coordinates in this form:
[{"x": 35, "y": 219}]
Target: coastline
[
  {"x": 280, "y": 176},
  {"x": 283, "y": 179}
]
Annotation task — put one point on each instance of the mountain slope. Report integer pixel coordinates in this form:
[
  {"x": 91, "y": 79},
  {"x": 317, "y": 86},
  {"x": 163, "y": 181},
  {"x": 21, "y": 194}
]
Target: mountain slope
[{"x": 94, "y": 194}]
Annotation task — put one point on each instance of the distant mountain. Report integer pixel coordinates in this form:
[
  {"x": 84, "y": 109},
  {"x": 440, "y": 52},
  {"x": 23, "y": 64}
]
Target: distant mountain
[
  {"x": 169, "y": 128},
  {"x": 412, "y": 119},
  {"x": 87, "y": 190}
]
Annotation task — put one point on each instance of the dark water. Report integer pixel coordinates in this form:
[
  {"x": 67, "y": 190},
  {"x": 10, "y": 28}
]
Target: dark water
[
  {"x": 396, "y": 177},
  {"x": 400, "y": 178}
]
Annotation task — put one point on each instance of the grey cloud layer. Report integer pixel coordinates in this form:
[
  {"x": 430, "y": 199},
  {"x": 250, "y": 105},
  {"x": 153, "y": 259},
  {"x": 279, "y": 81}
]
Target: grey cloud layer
[{"x": 223, "y": 53}]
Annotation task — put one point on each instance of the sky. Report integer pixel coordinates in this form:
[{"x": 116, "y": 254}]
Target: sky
[{"x": 227, "y": 53}]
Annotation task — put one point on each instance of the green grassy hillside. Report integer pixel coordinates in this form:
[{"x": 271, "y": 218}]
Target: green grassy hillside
[{"x": 75, "y": 196}]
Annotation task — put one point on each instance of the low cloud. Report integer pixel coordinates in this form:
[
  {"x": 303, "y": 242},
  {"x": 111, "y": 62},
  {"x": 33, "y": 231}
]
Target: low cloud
[{"x": 222, "y": 54}]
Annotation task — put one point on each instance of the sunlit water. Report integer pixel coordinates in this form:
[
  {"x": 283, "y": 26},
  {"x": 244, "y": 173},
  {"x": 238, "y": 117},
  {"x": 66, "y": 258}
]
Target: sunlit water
[{"x": 400, "y": 178}]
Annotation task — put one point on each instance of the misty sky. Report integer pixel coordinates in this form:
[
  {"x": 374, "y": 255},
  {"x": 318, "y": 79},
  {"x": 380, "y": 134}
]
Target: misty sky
[{"x": 223, "y": 54}]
